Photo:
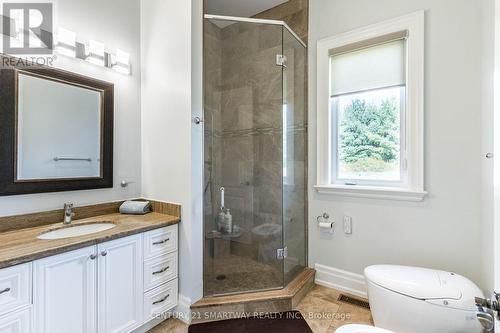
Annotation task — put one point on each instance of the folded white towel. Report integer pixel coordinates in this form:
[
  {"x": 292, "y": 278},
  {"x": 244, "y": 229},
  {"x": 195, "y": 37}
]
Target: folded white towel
[{"x": 135, "y": 207}]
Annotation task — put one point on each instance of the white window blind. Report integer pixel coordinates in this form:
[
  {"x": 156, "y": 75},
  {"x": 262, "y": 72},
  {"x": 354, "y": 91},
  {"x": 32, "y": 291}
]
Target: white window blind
[{"x": 368, "y": 68}]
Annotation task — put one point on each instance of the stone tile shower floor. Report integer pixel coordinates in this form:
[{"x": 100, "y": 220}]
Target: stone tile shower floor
[
  {"x": 235, "y": 273},
  {"x": 320, "y": 307}
]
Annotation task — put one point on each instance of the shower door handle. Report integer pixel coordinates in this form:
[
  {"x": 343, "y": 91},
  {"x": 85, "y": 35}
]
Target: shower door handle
[{"x": 222, "y": 190}]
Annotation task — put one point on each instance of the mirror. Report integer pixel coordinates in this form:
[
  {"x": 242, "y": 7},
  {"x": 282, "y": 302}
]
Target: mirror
[{"x": 56, "y": 130}]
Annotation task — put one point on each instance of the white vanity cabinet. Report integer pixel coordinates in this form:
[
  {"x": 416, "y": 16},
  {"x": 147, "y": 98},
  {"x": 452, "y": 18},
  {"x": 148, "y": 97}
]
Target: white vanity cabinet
[
  {"x": 15, "y": 288},
  {"x": 160, "y": 271},
  {"x": 16, "y": 310},
  {"x": 17, "y": 322},
  {"x": 65, "y": 289},
  {"x": 95, "y": 289},
  {"x": 113, "y": 287},
  {"x": 119, "y": 289}
]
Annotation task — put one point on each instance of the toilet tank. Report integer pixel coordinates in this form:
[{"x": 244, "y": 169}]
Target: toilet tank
[{"x": 420, "y": 300}]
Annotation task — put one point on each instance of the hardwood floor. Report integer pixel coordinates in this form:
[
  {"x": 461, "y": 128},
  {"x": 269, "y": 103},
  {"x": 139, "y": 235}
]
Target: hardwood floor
[{"x": 320, "y": 307}]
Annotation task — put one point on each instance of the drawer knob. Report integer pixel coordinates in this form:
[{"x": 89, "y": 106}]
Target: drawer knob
[
  {"x": 161, "y": 242},
  {"x": 6, "y": 290},
  {"x": 161, "y": 300},
  {"x": 162, "y": 270}
]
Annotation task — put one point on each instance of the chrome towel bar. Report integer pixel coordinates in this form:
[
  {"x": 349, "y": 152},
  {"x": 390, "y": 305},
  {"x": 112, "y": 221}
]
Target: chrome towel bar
[{"x": 57, "y": 159}]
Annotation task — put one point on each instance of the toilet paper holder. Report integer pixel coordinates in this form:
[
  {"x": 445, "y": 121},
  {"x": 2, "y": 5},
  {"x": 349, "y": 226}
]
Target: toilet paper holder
[
  {"x": 322, "y": 218},
  {"x": 324, "y": 224}
]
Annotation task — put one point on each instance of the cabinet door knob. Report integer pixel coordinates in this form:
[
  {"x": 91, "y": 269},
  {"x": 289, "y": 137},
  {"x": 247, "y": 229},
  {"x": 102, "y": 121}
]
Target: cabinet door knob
[
  {"x": 93, "y": 257},
  {"x": 104, "y": 253}
]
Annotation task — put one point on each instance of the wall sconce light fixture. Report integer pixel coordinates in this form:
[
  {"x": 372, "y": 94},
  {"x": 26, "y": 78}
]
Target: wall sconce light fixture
[
  {"x": 66, "y": 42},
  {"x": 94, "y": 52},
  {"x": 120, "y": 62}
]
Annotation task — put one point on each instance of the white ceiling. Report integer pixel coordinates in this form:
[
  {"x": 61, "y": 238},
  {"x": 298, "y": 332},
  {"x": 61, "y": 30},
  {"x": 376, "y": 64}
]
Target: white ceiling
[{"x": 240, "y": 8}]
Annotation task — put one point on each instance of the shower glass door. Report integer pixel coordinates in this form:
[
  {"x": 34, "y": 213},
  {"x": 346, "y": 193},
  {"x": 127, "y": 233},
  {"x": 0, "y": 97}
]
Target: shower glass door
[
  {"x": 294, "y": 155},
  {"x": 244, "y": 158}
]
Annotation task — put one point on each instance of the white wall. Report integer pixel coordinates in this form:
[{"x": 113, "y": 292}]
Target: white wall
[
  {"x": 196, "y": 231},
  {"x": 494, "y": 230},
  {"x": 116, "y": 23},
  {"x": 488, "y": 70},
  {"x": 445, "y": 230},
  {"x": 170, "y": 166}
]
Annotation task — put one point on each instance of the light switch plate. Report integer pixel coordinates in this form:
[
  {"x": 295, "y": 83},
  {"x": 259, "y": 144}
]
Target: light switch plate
[{"x": 347, "y": 225}]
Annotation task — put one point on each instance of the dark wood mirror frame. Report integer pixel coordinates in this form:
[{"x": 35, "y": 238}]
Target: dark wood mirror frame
[{"x": 9, "y": 69}]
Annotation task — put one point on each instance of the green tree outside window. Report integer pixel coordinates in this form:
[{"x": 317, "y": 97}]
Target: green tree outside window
[{"x": 369, "y": 135}]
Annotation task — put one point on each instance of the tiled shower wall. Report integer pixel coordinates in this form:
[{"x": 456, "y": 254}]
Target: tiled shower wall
[
  {"x": 212, "y": 62},
  {"x": 244, "y": 95},
  {"x": 294, "y": 12},
  {"x": 244, "y": 143}
]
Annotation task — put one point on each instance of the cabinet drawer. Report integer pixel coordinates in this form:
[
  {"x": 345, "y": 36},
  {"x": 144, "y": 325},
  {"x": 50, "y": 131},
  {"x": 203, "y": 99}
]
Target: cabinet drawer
[
  {"x": 160, "y": 300},
  {"x": 17, "y": 322},
  {"x": 15, "y": 288},
  {"x": 159, "y": 270},
  {"x": 159, "y": 242}
]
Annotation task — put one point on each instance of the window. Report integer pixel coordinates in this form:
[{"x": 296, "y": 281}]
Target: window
[
  {"x": 370, "y": 111},
  {"x": 367, "y": 104}
]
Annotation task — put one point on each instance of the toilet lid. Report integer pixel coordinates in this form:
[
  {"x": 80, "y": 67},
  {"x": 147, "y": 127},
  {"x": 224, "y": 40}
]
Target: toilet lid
[
  {"x": 361, "y": 329},
  {"x": 416, "y": 282}
]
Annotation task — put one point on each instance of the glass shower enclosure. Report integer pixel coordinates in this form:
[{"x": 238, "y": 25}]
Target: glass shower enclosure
[{"x": 255, "y": 132}]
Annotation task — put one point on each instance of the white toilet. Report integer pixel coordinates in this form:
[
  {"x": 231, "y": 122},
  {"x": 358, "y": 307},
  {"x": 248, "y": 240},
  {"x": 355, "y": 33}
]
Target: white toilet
[
  {"x": 419, "y": 300},
  {"x": 361, "y": 329}
]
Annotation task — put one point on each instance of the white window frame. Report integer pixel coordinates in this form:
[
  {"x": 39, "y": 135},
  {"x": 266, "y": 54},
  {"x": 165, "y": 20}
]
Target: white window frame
[{"x": 413, "y": 25}]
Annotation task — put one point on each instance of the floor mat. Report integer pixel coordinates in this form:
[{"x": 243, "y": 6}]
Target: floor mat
[{"x": 289, "y": 322}]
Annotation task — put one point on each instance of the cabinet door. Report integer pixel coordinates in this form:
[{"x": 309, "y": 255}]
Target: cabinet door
[
  {"x": 120, "y": 294},
  {"x": 65, "y": 292},
  {"x": 15, "y": 288},
  {"x": 17, "y": 322}
]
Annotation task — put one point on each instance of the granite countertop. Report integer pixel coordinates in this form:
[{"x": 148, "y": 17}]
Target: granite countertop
[{"x": 21, "y": 246}]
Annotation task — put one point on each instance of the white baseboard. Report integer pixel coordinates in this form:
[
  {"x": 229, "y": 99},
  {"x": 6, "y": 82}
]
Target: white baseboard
[
  {"x": 341, "y": 280},
  {"x": 183, "y": 309}
]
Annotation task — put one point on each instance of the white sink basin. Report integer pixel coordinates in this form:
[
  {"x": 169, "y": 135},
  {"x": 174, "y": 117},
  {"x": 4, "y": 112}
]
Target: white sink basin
[{"x": 76, "y": 230}]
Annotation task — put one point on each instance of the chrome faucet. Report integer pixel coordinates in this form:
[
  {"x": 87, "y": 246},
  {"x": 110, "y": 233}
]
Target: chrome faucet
[
  {"x": 487, "y": 310},
  {"x": 68, "y": 213}
]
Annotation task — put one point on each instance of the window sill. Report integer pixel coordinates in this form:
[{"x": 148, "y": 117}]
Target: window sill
[{"x": 372, "y": 192}]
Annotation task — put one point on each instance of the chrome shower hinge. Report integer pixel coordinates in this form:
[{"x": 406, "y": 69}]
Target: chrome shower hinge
[
  {"x": 281, "y": 60},
  {"x": 282, "y": 253}
]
